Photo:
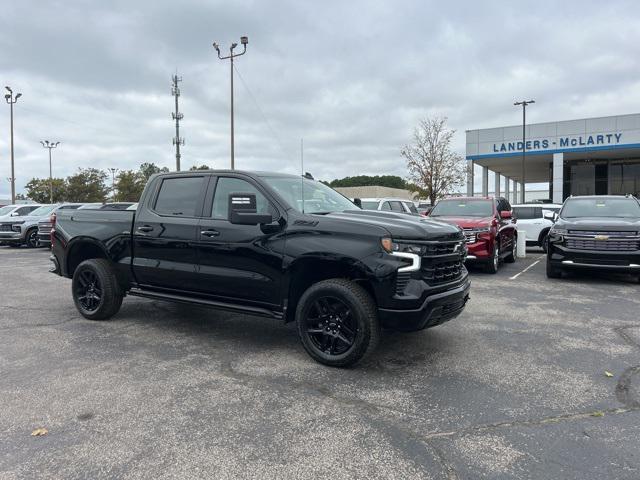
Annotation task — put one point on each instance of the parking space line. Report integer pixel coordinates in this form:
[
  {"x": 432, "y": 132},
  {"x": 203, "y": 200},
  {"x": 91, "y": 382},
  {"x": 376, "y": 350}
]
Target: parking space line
[{"x": 518, "y": 274}]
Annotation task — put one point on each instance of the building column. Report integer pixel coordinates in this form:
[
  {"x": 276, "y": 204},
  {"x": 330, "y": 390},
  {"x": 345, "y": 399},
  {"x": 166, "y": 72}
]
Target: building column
[
  {"x": 470, "y": 165},
  {"x": 485, "y": 181},
  {"x": 515, "y": 192},
  {"x": 496, "y": 185},
  {"x": 558, "y": 177},
  {"x": 507, "y": 190},
  {"x": 522, "y": 191}
]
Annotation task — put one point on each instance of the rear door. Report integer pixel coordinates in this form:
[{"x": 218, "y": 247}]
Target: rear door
[
  {"x": 164, "y": 232},
  {"x": 240, "y": 263}
]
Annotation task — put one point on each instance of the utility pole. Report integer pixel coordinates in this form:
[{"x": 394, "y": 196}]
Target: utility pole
[
  {"x": 524, "y": 104},
  {"x": 50, "y": 146},
  {"x": 244, "y": 40},
  {"x": 11, "y": 100},
  {"x": 113, "y": 171},
  {"x": 177, "y": 116}
]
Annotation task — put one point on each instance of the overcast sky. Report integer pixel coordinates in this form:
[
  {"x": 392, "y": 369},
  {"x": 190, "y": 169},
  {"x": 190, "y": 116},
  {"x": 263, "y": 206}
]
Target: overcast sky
[{"x": 351, "y": 78}]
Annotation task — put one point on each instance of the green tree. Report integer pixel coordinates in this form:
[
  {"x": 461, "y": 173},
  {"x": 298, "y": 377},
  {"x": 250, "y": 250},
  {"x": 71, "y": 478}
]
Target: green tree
[
  {"x": 391, "y": 181},
  {"x": 432, "y": 164},
  {"x": 201, "y": 167},
  {"x": 148, "y": 169},
  {"x": 88, "y": 185},
  {"x": 129, "y": 185},
  {"x": 38, "y": 190}
]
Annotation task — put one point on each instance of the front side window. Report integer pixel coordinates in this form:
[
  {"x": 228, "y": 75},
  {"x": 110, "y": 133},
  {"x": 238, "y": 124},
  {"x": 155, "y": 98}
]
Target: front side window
[
  {"x": 601, "y": 207},
  {"x": 228, "y": 185},
  {"x": 369, "y": 205},
  {"x": 411, "y": 207},
  {"x": 463, "y": 208},
  {"x": 179, "y": 196},
  {"x": 397, "y": 207},
  {"x": 25, "y": 210},
  {"x": 43, "y": 210},
  {"x": 386, "y": 206}
]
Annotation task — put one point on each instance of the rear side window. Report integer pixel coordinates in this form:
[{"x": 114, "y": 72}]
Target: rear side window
[
  {"x": 386, "y": 206},
  {"x": 525, "y": 213},
  {"x": 411, "y": 207},
  {"x": 179, "y": 196},
  {"x": 397, "y": 207}
]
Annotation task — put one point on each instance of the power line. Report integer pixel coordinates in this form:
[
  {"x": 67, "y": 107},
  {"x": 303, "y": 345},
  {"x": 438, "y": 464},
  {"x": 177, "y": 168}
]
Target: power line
[{"x": 264, "y": 117}]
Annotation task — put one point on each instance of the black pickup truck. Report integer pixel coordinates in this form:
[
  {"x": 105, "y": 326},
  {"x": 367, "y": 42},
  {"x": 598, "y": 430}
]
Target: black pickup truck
[{"x": 269, "y": 244}]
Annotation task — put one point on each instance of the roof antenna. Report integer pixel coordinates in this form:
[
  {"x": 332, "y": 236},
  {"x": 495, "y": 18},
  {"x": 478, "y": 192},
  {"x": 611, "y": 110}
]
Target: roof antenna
[{"x": 302, "y": 170}]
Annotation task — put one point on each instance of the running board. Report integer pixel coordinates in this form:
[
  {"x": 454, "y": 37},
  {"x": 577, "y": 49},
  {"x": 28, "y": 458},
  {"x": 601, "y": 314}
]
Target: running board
[{"x": 231, "y": 307}]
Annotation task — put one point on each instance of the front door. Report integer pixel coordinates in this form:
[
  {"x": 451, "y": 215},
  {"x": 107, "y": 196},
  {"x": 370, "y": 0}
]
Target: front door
[
  {"x": 164, "y": 233},
  {"x": 240, "y": 263}
]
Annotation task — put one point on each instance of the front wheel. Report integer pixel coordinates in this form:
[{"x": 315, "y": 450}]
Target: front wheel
[
  {"x": 494, "y": 261},
  {"x": 31, "y": 239},
  {"x": 552, "y": 271},
  {"x": 95, "y": 289},
  {"x": 511, "y": 258},
  {"x": 337, "y": 322}
]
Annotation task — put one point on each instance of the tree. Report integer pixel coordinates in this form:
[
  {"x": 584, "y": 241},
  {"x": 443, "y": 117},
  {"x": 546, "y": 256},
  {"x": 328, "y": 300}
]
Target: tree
[
  {"x": 129, "y": 185},
  {"x": 88, "y": 185},
  {"x": 432, "y": 164},
  {"x": 39, "y": 189},
  {"x": 391, "y": 181},
  {"x": 148, "y": 169},
  {"x": 201, "y": 167}
]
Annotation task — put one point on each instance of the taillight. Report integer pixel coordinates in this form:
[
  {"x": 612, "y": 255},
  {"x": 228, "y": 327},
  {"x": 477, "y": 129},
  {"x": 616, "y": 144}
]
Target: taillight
[{"x": 52, "y": 219}]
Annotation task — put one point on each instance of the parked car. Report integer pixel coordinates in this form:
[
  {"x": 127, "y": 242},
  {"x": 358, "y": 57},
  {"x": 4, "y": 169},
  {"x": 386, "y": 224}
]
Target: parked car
[
  {"x": 251, "y": 243},
  {"x": 595, "y": 232},
  {"x": 17, "y": 225},
  {"x": 531, "y": 218},
  {"x": 488, "y": 225},
  {"x": 107, "y": 206},
  {"x": 398, "y": 205},
  {"x": 46, "y": 223},
  {"x": 424, "y": 208}
]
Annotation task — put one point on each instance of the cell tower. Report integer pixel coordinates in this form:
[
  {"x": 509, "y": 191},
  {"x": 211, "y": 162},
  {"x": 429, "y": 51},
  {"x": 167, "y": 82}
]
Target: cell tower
[{"x": 177, "y": 116}]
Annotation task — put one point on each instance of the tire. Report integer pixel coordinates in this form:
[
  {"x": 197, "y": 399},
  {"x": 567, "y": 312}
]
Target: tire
[
  {"x": 95, "y": 289},
  {"x": 494, "y": 261},
  {"x": 14, "y": 245},
  {"x": 337, "y": 322},
  {"x": 543, "y": 240},
  {"x": 552, "y": 271},
  {"x": 31, "y": 238},
  {"x": 511, "y": 258}
]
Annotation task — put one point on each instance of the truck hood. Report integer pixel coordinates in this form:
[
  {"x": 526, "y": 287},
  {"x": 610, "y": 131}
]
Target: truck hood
[
  {"x": 600, "y": 224},
  {"x": 467, "y": 222},
  {"x": 398, "y": 225}
]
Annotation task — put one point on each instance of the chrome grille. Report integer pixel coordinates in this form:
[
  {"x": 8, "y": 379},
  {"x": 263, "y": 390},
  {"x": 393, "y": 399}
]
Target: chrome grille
[
  {"x": 470, "y": 235},
  {"x": 5, "y": 227},
  {"x": 44, "y": 228},
  {"x": 610, "y": 245},
  {"x": 611, "y": 234}
]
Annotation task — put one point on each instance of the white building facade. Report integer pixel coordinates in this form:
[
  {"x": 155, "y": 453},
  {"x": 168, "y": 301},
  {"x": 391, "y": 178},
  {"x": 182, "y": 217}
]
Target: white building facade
[{"x": 593, "y": 156}]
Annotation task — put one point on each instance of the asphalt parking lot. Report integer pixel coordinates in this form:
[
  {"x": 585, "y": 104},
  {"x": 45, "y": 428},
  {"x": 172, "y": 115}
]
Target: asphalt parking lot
[{"x": 513, "y": 388}]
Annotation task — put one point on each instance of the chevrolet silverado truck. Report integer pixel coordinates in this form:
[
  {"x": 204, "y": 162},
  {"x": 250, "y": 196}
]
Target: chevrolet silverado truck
[
  {"x": 596, "y": 233},
  {"x": 267, "y": 244},
  {"x": 488, "y": 225}
]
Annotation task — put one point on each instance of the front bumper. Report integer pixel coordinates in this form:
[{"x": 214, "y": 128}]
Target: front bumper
[
  {"x": 562, "y": 257},
  {"x": 435, "y": 310},
  {"x": 11, "y": 237},
  {"x": 481, "y": 251},
  {"x": 44, "y": 239}
]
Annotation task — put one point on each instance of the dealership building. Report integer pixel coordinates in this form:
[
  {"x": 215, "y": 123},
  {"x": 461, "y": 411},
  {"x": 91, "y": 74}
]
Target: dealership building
[{"x": 593, "y": 156}]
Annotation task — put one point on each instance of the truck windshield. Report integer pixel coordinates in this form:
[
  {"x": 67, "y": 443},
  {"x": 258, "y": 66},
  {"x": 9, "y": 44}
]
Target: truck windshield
[
  {"x": 462, "y": 208},
  {"x": 6, "y": 210},
  {"x": 42, "y": 211},
  {"x": 601, "y": 207},
  {"x": 318, "y": 198}
]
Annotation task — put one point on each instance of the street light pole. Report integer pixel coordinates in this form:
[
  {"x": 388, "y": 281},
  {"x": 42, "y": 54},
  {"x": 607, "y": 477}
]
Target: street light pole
[
  {"x": 113, "y": 171},
  {"x": 11, "y": 100},
  {"x": 524, "y": 104},
  {"x": 244, "y": 40},
  {"x": 50, "y": 146}
]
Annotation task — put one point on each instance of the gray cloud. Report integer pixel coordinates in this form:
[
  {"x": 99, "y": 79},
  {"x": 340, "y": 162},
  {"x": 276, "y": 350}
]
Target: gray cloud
[{"x": 352, "y": 78}]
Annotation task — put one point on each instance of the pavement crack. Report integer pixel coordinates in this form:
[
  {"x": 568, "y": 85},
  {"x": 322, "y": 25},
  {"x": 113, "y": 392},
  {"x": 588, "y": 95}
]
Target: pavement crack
[{"x": 622, "y": 331}]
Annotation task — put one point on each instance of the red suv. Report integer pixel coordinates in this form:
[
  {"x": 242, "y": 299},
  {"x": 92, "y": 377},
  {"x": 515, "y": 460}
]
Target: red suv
[{"x": 488, "y": 225}]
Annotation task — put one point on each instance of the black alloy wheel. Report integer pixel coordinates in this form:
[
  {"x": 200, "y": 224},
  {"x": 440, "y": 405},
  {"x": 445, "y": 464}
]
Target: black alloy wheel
[
  {"x": 32, "y": 238},
  {"x": 330, "y": 326},
  {"x": 88, "y": 290}
]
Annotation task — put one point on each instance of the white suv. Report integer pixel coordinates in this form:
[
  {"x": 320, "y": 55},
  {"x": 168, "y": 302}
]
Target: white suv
[
  {"x": 530, "y": 218},
  {"x": 399, "y": 205}
]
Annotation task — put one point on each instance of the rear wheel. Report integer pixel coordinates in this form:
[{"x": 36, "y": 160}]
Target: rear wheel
[
  {"x": 337, "y": 322},
  {"x": 31, "y": 239},
  {"x": 552, "y": 271},
  {"x": 494, "y": 261},
  {"x": 95, "y": 289}
]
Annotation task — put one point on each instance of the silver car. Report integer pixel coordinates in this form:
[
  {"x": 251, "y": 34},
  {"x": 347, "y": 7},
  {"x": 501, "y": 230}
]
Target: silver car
[{"x": 21, "y": 226}]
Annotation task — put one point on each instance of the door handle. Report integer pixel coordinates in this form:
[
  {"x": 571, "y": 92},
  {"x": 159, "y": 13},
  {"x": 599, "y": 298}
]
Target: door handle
[
  {"x": 209, "y": 233},
  {"x": 145, "y": 228}
]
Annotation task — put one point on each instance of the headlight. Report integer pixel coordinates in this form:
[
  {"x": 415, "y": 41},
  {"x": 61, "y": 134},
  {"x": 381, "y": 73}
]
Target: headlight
[
  {"x": 481, "y": 229},
  {"x": 390, "y": 246},
  {"x": 16, "y": 227},
  {"x": 558, "y": 231}
]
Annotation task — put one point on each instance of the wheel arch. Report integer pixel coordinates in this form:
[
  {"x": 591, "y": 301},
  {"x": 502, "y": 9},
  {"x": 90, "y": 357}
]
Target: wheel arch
[{"x": 81, "y": 249}]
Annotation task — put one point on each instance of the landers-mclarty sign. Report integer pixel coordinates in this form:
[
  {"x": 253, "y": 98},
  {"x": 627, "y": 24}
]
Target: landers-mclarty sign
[{"x": 560, "y": 142}]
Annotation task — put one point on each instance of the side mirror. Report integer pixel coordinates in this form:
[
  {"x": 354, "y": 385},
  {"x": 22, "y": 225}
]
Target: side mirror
[
  {"x": 548, "y": 216},
  {"x": 15, "y": 214},
  {"x": 506, "y": 214},
  {"x": 357, "y": 202},
  {"x": 243, "y": 210}
]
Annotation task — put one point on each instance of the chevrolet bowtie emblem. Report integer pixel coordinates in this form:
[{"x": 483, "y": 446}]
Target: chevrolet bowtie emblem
[{"x": 602, "y": 237}]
